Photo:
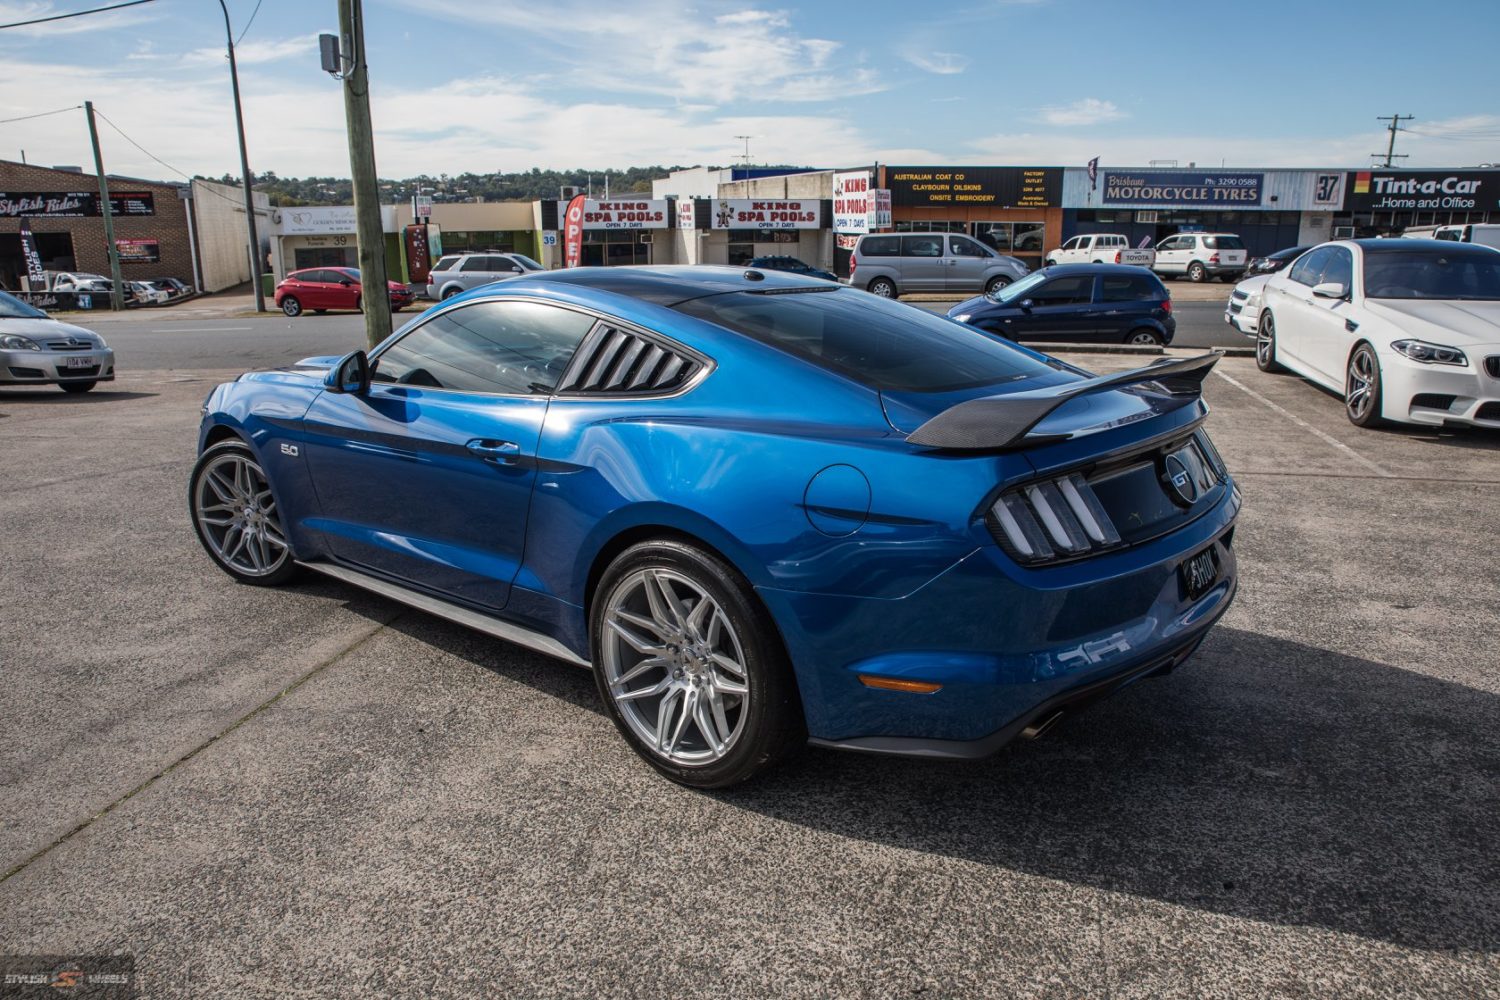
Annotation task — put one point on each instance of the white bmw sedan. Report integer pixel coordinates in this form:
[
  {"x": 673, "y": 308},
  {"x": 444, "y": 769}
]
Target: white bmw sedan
[{"x": 1405, "y": 330}]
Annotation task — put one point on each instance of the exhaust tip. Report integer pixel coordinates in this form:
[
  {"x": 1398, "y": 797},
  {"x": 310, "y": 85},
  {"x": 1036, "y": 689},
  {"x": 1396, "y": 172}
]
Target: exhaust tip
[{"x": 1036, "y": 730}]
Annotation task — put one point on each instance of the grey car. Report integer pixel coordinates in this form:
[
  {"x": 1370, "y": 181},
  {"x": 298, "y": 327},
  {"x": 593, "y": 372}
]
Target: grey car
[
  {"x": 891, "y": 264},
  {"x": 36, "y": 349},
  {"x": 459, "y": 272}
]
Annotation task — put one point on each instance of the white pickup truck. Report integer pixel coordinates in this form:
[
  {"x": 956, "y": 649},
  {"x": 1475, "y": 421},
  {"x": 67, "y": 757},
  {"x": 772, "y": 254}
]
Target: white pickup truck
[{"x": 1100, "y": 248}]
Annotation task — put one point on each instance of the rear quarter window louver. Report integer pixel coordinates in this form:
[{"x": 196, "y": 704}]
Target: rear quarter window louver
[{"x": 615, "y": 361}]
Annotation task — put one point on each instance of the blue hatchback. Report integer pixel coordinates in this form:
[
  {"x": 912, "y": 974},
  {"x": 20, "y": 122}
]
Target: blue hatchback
[
  {"x": 1078, "y": 304},
  {"x": 762, "y": 508}
]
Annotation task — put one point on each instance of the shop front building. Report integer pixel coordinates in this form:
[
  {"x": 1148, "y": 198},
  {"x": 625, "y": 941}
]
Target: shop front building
[
  {"x": 1014, "y": 210},
  {"x": 1388, "y": 202}
]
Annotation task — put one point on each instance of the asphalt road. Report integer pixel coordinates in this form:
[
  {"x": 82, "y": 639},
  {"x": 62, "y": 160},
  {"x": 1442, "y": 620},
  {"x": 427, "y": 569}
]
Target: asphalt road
[
  {"x": 154, "y": 340},
  {"x": 313, "y": 792}
]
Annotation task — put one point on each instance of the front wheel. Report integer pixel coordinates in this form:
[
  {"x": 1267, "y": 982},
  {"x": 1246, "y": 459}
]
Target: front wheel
[
  {"x": 690, "y": 667},
  {"x": 883, "y": 287},
  {"x": 236, "y": 518},
  {"x": 1196, "y": 272},
  {"x": 291, "y": 306},
  {"x": 1362, "y": 388},
  {"x": 1265, "y": 345},
  {"x": 996, "y": 283}
]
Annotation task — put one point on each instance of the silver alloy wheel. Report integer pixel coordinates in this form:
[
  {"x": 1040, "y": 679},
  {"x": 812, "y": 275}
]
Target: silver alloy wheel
[
  {"x": 234, "y": 507},
  {"x": 1142, "y": 337},
  {"x": 291, "y": 306},
  {"x": 883, "y": 288},
  {"x": 675, "y": 667},
  {"x": 1359, "y": 394},
  {"x": 1265, "y": 348}
]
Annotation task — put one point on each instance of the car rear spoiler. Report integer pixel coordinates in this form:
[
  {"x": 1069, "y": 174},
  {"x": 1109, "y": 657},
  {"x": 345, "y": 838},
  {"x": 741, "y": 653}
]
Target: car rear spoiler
[{"x": 996, "y": 423}]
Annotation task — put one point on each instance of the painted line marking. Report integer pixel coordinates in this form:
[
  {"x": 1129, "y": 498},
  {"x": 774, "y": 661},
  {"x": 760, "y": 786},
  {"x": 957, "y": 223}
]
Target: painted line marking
[
  {"x": 204, "y": 329},
  {"x": 1326, "y": 438}
]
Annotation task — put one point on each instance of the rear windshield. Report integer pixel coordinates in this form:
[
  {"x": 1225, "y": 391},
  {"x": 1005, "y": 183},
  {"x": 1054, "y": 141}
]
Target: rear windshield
[
  {"x": 1461, "y": 273},
  {"x": 1223, "y": 242},
  {"x": 444, "y": 263},
  {"x": 882, "y": 344},
  {"x": 880, "y": 246}
]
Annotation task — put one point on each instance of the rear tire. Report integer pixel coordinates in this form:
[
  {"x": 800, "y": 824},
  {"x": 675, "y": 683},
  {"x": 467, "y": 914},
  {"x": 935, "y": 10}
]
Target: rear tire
[
  {"x": 1196, "y": 272},
  {"x": 76, "y": 387},
  {"x": 1143, "y": 335},
  {"x": 448, "y": 293},
  {"x": 291, "y": 306},
  {"x": 1265, "y": 345},
  {"x": 691, "y": 667},
  {"x": 883, "y": 287}
]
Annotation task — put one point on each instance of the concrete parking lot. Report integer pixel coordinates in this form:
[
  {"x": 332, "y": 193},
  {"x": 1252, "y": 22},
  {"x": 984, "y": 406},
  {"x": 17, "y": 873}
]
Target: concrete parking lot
[{"x": 316, "y": 792}]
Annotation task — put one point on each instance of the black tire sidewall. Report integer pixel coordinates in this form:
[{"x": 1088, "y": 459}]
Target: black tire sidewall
[
  {"x": 995, "y": 284},
  {"x": 775, "y": 725},
  {"x": 1271, "y": 366},
  {"x": 885, "y": 283},
  {"x": 1155, "y": 337},
  {"x": 288, "y": 569},
  {"x": 296, "y": 304},
  {"x": 1373, "y": 417},
  {"x": 1195, "y": 272}
]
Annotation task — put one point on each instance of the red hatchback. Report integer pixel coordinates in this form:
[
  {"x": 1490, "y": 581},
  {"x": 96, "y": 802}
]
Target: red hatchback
[{"x": 323, "y": 288}]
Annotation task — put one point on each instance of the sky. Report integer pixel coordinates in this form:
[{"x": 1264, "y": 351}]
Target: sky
[{"x": 470, "y": 85}]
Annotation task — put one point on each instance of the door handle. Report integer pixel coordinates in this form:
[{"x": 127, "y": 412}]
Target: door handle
[{"x": 498, "y": 452}]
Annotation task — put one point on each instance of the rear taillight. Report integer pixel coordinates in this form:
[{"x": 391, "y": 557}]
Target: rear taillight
[
  {"x": 852, "y": 265},
  {"x": 1166, "y": 305},
  {"x": 1214, "y": 259},
  {"x": 1051, "y": 520},
  {"x": 1117, "y": 256}
]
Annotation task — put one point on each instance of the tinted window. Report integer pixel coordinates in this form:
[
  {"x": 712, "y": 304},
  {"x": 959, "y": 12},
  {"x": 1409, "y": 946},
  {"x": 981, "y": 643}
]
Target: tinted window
[
  {"x": 879, "y": 343},
  {"x": 1309, "y": 267},
  {"x": 1131, "y": 289},
  {"x": 1167, "y": 244},
  {"x": 503, "y": 264},
  {"x": 1070, "y": 290},
  {"x": 1463, "y": 273},
  {"x": 505, "y": 347},
  {"x": 1339, "y": 267},
  {"x": 965, "y": 247},
  {"x": 921, "y": 246},
  {"x": 475, "y": 264},
  {"x": 1072, "y": 244},
  {"x": 1223, "y": 243},
  {"x": 444, "y": 263},
  {"x": 13, "y": 308},
  {"x": 526, "y": 262},
  {"x": 1288, "y": 253},
  {"x": 880, "y": 246}
]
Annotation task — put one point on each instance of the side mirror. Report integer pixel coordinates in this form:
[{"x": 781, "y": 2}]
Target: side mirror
[
  {"x": 1026, "y": 305},
  {"x": 345, "y": 282},
  {"x": 351, "y": 374},
  {"x": 1330, "y": 290}
]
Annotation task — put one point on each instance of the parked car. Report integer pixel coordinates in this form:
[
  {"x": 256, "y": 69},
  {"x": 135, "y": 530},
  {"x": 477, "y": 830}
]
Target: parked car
[
  {"x": 1078, "y": 303},
  {"x": 173, "y": 287},
  {"x": 792, "y": 265},
  {"x": 459, "y": 272},
  {"x": 146, "y": 294},
  {"x": 1273, "y": 262},
  {"x": 1406, "y": 330},
  {"x": 36, "y": 349},
  {"x": 78, "y": 281},
  {"x": 889, "y": 265},
  {"x": 1201, "y": 256},
  {"x": 323, "y": 288},
  {"x": 1243, "y": 310},
  {"x": 1484, "y": 234},
  {"x": 1101, "y": 248},
  {"x": 759, "y": 518}
]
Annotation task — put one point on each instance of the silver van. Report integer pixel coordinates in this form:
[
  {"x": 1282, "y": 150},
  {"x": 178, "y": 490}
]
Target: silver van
[
  {"x": 892, "y": 264},
  {"x": 459, "y": 272}
]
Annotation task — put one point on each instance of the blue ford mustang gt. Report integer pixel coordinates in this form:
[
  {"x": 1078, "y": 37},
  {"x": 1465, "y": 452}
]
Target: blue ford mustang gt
[{"x": 764, "y": 509}]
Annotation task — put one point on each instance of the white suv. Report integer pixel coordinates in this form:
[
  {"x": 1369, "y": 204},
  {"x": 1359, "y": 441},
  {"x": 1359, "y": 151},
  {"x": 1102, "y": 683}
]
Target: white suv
[
  {"x": 1201, "y": 256},
  {"x": 459, "y": 272}
]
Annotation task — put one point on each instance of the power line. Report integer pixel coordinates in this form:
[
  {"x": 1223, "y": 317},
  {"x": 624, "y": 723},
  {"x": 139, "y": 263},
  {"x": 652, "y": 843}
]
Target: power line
[
  {"x": 76, "y": 13},
  {"x": 158, "y": 159},
  {"x": 41, "y": 114},
  {"x": 246, "y": 30}
]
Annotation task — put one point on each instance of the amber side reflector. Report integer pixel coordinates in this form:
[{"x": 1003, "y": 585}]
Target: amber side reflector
[{"x": 895, "y": 684}]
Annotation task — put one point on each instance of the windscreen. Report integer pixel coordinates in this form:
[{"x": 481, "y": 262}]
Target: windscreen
[
  {"x": 1223, "y": 242},
  {"x": 13, "y": 308},
  {"x": 1460, "y": 273},
  {"x": 882, "y": 344}
]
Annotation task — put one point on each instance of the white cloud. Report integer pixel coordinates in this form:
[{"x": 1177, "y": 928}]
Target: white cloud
[
  {"x": 256, "y": 52},
  {"x": 1088, "y": 111},
  {"x": 941, "y": 63}
]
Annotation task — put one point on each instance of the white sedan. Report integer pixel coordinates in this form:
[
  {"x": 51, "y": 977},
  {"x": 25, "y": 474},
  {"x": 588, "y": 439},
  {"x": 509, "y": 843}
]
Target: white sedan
[
  {"x": 1405, "y": 330},
  {"x": 1243, "y": 310}
]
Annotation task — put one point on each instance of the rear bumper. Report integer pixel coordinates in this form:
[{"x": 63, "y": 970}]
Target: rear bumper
[{"x": 1008, "y": 645}]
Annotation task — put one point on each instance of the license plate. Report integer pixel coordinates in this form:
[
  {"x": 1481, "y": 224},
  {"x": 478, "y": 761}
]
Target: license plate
[
  {"x": 83, "y": 362},
  {"x": 1199, "y": 573}
]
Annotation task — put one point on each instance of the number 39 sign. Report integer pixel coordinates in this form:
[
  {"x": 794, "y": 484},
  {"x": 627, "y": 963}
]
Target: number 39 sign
[{"x": 573, "y": 232}]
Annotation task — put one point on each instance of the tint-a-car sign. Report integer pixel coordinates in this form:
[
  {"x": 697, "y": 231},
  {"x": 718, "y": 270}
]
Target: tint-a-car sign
[{"x": 1422, "y": 190}]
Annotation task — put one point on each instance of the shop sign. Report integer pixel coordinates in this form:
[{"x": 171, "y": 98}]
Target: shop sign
[
  {"x": 995, "y": 187},
  {"x": 755, "y": 213},
  {"x": 687, "y": 213},
  {"x": 1328, "y": 190},
  {"x": 316, "y": 221},
  {"x": 418, "y": 253},
  {"x": 620, "y": 213},
  {"x": 138, "y": 251},
  {"x": 573, "y": 232},
  {"x": 73, "y": 204},
  {"x": 851, "y": 202},
  {"x": 1224, "y": 189},
  {"x": 1423, "y": 190},
  {"x": 880, "y": 208}
]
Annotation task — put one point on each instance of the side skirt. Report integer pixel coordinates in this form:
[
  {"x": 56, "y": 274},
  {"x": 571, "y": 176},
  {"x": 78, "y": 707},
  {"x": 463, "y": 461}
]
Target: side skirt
[{"x": 535, "y": 641}]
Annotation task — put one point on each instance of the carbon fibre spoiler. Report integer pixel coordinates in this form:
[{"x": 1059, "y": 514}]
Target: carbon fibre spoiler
[{"x": 996, "y": 423}]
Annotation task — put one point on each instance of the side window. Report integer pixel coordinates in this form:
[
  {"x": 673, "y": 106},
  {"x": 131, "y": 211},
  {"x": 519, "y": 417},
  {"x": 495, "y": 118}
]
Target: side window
[
  {"x": 504, "y": 265},
  {"x": 1170, "y": 243},
  {"x": 1075, "y": 289},
  {"x": 316, "y": 277},
  {"x": 475, "y": 264},
  {"x": 515, "y": 348},
  {"x": 921, "y": 246},
  {"x": 1072, "y": 244},
  {"x": 880, "y": 246},
  {"x": 444, "y": 263},
  {"x": 1309, "y": 267},
  {"x": 1129, "y": 288},
  {"x": 1339, "y": 266},
  {"x": 965, "y": 247}
]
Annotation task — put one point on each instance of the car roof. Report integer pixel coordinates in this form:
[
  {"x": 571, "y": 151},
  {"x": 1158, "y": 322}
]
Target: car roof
[
  {"x": 1400, "y": 243},
  {"x": 1130, "y": 269},
  {"x": 668, "y": 285}
]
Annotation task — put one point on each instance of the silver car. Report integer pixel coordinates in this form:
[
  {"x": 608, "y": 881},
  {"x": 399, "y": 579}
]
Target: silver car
[
  {"x": 459, "y": 272},
  {"x": 892, "y": 264},
  {"x": 36, "y": 349}
]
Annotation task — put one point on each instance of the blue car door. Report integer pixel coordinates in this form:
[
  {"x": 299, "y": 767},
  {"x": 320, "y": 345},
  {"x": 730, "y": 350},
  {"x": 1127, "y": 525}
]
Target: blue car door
[{"x": 428, "y": 476}]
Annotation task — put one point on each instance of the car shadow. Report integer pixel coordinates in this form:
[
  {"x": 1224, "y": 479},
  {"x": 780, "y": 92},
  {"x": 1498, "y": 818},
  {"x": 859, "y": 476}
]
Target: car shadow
[
  {"x": 1266, "y": 779},
  {"x": 41, "y": 394}
]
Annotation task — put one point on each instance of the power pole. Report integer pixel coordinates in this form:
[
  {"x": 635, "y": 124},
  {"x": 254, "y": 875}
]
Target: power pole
[
  {"x": 1395, "y": 126},
  {"x": 375, "y": 298},
  {"x": 117, "y": 287},
  {"x": 746, "y": 155},
  {"x": 239, "y": 121}
]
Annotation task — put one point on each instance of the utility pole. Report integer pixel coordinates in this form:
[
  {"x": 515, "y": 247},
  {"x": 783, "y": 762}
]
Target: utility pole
[
  {"x": 117, "y": 287},
  {"x": 376, "y": 298},
  {"x": 239, "y": 121},
  {"x": 746, "y": 156},
  {"x": 1395, "y": 126}
]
